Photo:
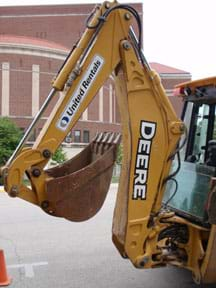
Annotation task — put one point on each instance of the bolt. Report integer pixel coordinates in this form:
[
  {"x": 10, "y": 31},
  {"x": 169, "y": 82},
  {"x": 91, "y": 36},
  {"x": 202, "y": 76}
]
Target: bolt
[
  {"x": 14, "y": 191},
  {"x": 36, "y": 172},
  {"x": 126, "y": 45},
  {"x": 144, "y": 261},
  {"x": 182, "y": 128},
  {"x": 127, "y": 16},
  {"x": 107, "y": 5},
  {"x": 124, "y": 255},
  {"x": 45, "y": 204},
  {"x": 46, "y": 153}
]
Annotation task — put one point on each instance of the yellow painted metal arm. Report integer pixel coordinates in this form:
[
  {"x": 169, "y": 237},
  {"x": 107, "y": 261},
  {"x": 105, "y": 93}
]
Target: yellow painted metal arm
[
  {"x": 151, "y": 132},
  {"x": 150, "y": 128},
  {"x": 89, "y": 64}
]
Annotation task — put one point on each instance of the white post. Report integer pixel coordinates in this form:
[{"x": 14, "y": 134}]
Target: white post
[
  {"x": 85, "y": 115},
  {"x": 5, "y": 89},
  {"x": 110, "y": 103},
  {"x": 101, "y": 105},
  {"x": 35, "y": 89}
]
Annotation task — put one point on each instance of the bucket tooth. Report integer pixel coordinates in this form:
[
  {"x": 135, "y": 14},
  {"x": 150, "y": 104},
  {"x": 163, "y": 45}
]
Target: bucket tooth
[
  {"x": 111, "y": 138},
  {"x": 99, "y": 138},
  {"x": 117, "y": 139},
  {"x": 98, "y": 141},
  {"x": 106, "y": 137},
  {"x": 103, "y": 143},
  {"x": 76, "y": 190}
]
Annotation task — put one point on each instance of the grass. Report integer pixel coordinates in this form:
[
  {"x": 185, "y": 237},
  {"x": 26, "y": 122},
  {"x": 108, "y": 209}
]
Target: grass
[{"x": 115, "y": 179}]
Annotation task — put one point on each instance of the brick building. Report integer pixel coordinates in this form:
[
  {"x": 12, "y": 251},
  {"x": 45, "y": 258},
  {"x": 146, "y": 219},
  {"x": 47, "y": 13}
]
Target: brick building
[{"x": 34, "y": 41}]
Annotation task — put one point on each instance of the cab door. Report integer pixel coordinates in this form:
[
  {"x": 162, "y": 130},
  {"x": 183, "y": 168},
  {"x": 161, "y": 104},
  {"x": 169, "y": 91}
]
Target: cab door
[{"x": 187, "y": 193}]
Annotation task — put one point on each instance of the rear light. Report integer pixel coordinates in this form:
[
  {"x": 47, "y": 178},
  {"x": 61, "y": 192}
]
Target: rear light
[{"x": 178, "y": 91}]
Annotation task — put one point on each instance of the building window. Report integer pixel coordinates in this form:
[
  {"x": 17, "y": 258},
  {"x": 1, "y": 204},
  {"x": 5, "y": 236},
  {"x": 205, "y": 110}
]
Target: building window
[
  {"x": 77, "y": 136},
  {"x": 42, "y": 35},
  {"x": 86, "y": 136}
]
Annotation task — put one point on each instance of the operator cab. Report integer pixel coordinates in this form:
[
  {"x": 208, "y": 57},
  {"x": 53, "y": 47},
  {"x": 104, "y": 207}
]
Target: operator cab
[{"x": 189, "y": 194}]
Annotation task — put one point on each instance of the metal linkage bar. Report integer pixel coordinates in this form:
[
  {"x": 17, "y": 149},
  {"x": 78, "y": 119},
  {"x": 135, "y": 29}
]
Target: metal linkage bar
[
  {"x": 141, "y": 53},
  {"x": 31, "y": 127}
]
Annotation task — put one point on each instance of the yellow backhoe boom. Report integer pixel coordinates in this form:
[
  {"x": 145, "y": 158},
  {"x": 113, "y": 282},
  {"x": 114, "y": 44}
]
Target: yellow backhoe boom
[{"x": 150, "y": 135}]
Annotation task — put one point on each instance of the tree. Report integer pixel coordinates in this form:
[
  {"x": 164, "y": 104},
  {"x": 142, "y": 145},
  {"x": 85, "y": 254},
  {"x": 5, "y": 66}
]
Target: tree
[
  {"x": 214, "y": 133},
  {"x": 59, "y": 156},
  {"x": 119, "y": 155},
  {"x": 10, "y": 136}
]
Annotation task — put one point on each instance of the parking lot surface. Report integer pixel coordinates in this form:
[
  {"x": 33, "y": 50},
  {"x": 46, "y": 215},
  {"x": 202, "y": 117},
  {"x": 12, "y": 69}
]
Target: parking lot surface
[{"x": 43, "y": 251}]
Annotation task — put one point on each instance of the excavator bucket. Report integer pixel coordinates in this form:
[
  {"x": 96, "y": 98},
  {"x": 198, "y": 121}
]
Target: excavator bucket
[{"x": 77, "y": 189}]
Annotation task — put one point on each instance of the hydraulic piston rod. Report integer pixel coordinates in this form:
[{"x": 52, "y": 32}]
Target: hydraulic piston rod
[{"x": 31, "y": 127}]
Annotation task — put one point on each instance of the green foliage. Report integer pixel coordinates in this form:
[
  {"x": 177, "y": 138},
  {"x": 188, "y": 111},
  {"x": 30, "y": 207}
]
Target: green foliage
[
  {"x": 119, "y": 155},
  {"x": 59, "y": 156},
  {"x": 214, "y": 133},
  {"x": 10, "y": 136}
]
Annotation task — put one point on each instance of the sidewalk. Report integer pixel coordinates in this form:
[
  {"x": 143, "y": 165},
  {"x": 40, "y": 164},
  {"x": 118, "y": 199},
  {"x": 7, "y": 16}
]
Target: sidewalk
[{"x": 113, "y": 185}]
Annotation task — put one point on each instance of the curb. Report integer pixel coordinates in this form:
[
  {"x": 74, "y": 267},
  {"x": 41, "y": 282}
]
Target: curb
[{"x": 113, "y": 185}]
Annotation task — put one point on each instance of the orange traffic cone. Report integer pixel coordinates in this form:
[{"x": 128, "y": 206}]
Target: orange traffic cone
[{"x": 4, "y": 279}]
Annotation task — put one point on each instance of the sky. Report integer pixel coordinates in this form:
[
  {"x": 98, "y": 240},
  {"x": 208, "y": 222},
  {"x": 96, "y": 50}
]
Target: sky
[{"x": 177, "y": 33}]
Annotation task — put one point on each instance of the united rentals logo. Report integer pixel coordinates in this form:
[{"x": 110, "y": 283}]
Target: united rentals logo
[
  {"x": 80, "y": 92},
  {"x": 147, "y": 133}
]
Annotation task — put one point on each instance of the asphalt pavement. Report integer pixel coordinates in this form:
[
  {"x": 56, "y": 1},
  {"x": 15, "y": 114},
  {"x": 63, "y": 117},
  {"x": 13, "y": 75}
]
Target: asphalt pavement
[{"x": 47, "y": 252}]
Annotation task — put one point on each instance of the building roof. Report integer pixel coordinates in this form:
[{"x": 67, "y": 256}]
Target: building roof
[
  {"x": 43, "y": 10},
  {"x": 164, "y": 69},
  {"x": 23, "y": 40},
  {"x": 31, "y": 43}
]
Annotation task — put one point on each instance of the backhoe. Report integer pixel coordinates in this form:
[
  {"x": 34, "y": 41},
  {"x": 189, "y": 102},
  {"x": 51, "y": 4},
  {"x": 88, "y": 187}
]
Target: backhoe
[{"x": 165, "y": 206}]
